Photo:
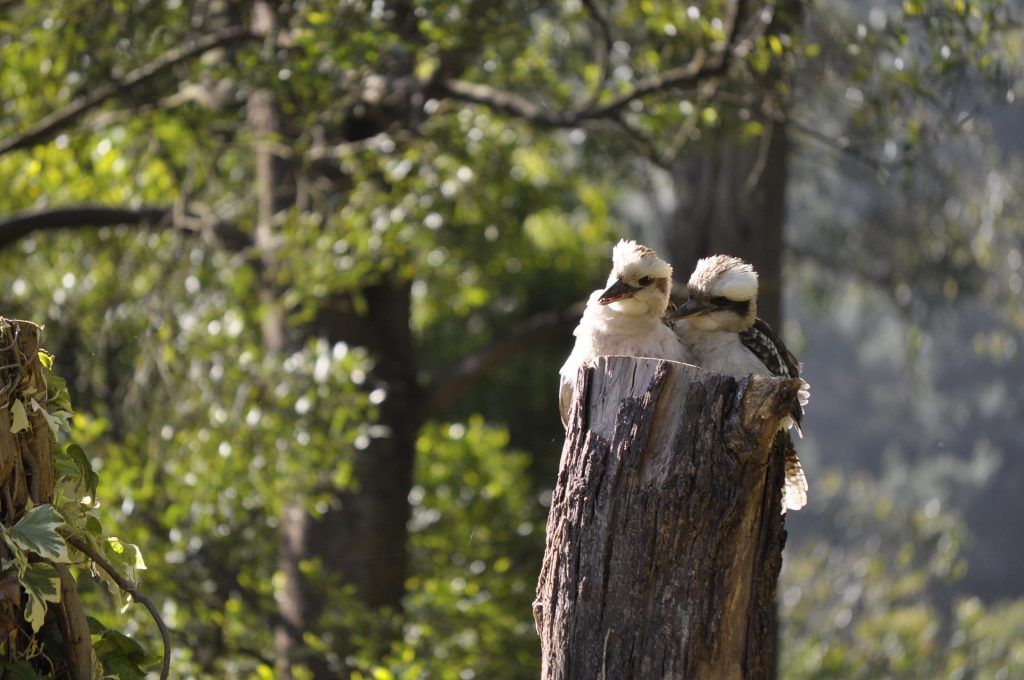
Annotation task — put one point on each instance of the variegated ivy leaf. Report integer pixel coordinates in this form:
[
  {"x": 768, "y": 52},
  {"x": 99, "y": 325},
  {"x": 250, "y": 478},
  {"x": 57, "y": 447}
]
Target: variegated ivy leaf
[
  {"x": 42, "y": 584},
  {"x": 57, "y": 419},
  {"x": 18, "y": 561},
  {"x": 19, "y": 417},
  {"x": 36, "y": 532}
]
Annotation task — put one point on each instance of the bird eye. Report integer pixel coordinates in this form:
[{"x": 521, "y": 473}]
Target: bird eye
[{"x": 646, "y": 281}]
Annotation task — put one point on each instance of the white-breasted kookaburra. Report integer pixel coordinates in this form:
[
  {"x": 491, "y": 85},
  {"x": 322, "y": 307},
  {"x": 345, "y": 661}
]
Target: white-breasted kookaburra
[
  {"x": 719, "y": 327},
  {"x": 626, "y": 318}
]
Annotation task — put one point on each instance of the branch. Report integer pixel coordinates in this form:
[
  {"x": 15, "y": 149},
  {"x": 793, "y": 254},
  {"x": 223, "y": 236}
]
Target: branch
[
  {"x": 840, "y": 143},
  {"x": 133, "y": 590},
  {"x": 701, "y": 67},
  {"x": 45, "y": 129},
  {"x": 539, "y": 328},
  {"x": 604, "y": 46},
  {"x": 20, "y": 225}
]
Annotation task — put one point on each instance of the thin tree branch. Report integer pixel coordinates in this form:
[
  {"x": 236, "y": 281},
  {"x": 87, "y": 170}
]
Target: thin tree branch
[
  {"x": 603, "y": 48},
  {"x": 456, "y": 380},
  {"x": 841, "y": 143},
  {"x": 133, "y": 590},
  {"x": 701, "y": 67},
  {"x": 47, "y": 128}
]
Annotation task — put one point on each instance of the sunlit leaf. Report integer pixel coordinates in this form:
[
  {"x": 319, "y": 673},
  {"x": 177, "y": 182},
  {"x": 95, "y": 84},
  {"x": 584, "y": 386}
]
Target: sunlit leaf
[{"x": 19, "y": 417}]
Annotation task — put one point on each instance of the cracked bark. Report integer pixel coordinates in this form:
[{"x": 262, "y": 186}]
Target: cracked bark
[
  {"x": 665, "y": 534},
  {"x": 28, "y": 477}
]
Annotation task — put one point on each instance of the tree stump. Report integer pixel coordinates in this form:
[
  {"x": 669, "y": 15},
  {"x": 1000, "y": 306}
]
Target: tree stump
[
  {"x": 27, "y": 479},
  {"x": 665, "y": 535},
  {"x": 26, "y": 458}
]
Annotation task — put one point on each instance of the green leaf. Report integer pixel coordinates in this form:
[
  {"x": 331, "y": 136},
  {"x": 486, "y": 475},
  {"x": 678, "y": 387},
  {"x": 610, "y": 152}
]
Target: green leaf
[
  {"x": 80, "y": 469},
  {"x": 36, "y": 532},
  {"x": 128, "y": 558},
  {"x": 120, "y": 655},
  {"x": 118, "y": 666},
  {"x": 42, "y": 585},
  {"x": 58, "y": 398},
  {"x": 46, "y": 359},
  {"x": 19, "y": 417},
  {"x": 127, "y": 554},
  {"x": 18, "y": 670},
  {"x": 96, "y": 626}
]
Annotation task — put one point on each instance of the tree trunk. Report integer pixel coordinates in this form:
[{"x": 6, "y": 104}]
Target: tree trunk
[
  {"x": 665, "y": 535},
  {"x": 363, "y": 537},
  {"x": 361, "y": 540},
  {"x": 732, "y": 199},
  {"x": 730, "y": 196}
]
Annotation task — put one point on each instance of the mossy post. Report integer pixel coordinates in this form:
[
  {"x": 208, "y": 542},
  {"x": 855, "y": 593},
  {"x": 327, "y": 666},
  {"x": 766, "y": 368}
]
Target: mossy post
[{"x": 665, "y": 535}]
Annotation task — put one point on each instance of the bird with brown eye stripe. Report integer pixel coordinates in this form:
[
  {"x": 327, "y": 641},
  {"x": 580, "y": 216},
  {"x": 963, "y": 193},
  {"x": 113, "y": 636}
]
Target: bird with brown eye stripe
[{"x": 719, "y": 327}]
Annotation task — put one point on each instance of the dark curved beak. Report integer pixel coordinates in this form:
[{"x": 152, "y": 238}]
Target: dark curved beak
[
  {"x": 690, "y": 308},
  {"x": 617, "y": 291}
]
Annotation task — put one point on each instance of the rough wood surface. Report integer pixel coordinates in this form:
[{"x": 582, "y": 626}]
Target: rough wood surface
[
  {"x": 26, "y": 458},
  {"x": 665, "y": 533},
  {"x": 27, "y": 473}
]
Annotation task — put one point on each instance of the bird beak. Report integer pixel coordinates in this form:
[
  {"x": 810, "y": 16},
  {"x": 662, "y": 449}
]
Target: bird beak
[
  {"x": 690, "y": 308},
  {"x": 617, "y": 291}
]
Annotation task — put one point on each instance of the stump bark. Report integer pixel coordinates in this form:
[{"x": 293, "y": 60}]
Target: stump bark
[{"x": 665, "y": 534}]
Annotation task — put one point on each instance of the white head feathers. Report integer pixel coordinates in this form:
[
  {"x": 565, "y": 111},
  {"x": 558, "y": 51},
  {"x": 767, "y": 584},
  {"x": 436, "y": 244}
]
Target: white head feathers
[
  {"x": 632, "y": 261},
  {"x": 724, "y": 276}
]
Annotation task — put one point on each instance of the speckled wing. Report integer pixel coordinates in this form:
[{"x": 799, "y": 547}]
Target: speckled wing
[
  {"x": 769, "y": 348},
  {"x": 773, "y": 353}
]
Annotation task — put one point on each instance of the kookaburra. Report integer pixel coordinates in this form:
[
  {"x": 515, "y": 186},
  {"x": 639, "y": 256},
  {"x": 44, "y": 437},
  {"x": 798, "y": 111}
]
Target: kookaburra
[
  {"x": 720, "y": 330},
  {"x": 626, "y": 318}
]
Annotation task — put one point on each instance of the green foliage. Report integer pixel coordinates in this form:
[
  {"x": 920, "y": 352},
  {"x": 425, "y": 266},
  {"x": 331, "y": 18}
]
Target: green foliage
[
  {"x": 122, "y": 657},
  {"x": 477, "y": 538},
  {"x": 883, "y": 604}
]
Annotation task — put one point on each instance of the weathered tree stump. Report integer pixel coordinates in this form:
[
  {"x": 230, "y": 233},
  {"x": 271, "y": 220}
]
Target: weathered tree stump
[
  {"x": 26, "y": 458},
  {"x": 665, "y": 534}
]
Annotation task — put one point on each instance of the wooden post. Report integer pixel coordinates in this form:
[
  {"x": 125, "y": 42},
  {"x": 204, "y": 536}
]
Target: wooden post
[{"x": 665, "y": 535}]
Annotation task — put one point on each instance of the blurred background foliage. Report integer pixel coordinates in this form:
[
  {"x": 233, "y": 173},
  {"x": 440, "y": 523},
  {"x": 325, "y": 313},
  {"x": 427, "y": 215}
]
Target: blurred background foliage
[{"x": 475, "y": 161}]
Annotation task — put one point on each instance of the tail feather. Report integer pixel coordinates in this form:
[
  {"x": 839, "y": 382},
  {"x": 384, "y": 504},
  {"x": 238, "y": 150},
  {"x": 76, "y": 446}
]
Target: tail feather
[{"x": 795, "y": 487}]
